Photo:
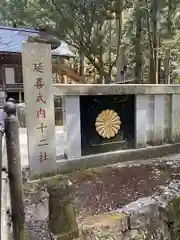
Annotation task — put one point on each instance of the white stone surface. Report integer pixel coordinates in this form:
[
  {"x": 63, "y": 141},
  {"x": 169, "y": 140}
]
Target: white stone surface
[
  {"x": 159, "y": 118},
  {"x": 72, "y": 128},
  {"x": 176, "y": 117},
  {"x": 150, "y": 116},
  {"x": 141, "y": 120},
  {"x": 168, "y": 118},
  {"x": 59, "y": 134},
  {"x": 38, "y": 89}
]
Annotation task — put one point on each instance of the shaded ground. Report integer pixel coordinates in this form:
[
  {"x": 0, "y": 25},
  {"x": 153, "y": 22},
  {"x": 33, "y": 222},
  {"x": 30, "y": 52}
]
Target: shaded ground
[
  {"x": 101, "y": 189},
  {"x": 97, "y": 191}
]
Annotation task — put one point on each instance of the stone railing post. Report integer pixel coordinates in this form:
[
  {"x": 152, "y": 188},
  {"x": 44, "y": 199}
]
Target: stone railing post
[
  {"x": 14, "y": 171},
  {"x": 62, "y": 218},
  {"x": 1, "y": 162}
]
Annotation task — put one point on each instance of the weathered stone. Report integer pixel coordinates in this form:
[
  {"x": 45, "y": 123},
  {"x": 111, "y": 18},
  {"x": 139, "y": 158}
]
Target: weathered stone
[
  {"x": 173, "y": 213},
  {"x": 132, "y": 234},
  {"x": 105, "y": 226},
  {"x": 144, "y": 217},
  {"x": 41, "y": 151},
  {"x": 112, "y": 89},
  {"x": 138, "y": 212},
  {"x": 62, "y": 217},
  {"x": 151, "y": 218},
  {"x": 39, "y": 211}
]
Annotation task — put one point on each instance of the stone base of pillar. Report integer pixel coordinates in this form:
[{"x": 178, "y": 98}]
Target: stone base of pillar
[{"x": 62, "y": 217}]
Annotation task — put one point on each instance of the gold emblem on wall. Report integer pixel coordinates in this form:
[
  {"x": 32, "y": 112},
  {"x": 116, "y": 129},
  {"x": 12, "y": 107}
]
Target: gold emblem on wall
[{"x": 107, "y": 123}]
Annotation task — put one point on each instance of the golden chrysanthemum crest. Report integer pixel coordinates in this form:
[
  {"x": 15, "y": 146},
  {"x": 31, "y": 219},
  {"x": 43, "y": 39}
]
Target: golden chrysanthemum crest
[{"x": 108, "y": 123}]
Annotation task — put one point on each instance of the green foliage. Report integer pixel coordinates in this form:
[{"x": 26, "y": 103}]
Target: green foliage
[{"x": 91, "y": 27}]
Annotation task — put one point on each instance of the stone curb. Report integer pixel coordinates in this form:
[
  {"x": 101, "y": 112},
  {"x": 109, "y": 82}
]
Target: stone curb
[
  {"x": 69, "y": 165},
  {"x": 146, "y": 217}
]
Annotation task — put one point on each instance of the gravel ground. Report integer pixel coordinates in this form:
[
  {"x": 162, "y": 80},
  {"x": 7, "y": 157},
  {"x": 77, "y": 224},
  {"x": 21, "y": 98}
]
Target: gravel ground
[{"x": 102, "y": 189}]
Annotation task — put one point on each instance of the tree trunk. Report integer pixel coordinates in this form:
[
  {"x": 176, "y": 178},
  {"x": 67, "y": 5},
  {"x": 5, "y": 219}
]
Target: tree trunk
[
  {"x": 168, "y": 51},
  {"x": 81, "y": 63},
  {"x": 120, "y": 50},
  {"x": 100, "y": 68},
  {"x": 81, "y": 57},
  {"x": 138, "y": 50},
  {"x": 155, "y": 43},
  {"x": 110, "y": 39},
  {"x": 152, "y": 38},
  {"x": 158, "y": 62},
  {"x": 102, "y": 79}
]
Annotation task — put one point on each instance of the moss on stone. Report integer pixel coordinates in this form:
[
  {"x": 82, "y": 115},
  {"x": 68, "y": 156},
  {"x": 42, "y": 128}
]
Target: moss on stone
[
  {"x": 24, "y": 234},
  {"x": 173, "y": 214}
]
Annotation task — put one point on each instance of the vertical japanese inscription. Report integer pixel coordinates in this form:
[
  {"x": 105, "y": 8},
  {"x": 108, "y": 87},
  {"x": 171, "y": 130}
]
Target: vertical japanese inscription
[
  {"x": 41, "y": 112},
  {"x": 37, "y": 75}
]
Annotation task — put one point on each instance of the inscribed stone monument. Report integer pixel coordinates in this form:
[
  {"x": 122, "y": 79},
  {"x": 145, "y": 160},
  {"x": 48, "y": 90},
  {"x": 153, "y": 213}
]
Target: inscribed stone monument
[{"x": 38, "y": 89}]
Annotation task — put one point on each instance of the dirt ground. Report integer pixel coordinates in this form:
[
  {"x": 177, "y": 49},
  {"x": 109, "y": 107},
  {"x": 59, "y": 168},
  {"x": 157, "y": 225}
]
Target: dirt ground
[{"x": 104, "y": 189}]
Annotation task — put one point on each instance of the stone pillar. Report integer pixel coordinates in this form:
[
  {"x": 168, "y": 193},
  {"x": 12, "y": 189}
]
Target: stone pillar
[
  {"x": 168, "y": 118},
  {"x": 159, "y": 119},
  {"x": 175, "y": 117},
  {"x": 141, "y": 120},
  {"x": 150, "y": 116},
  {"x": 14, "y": 171},
  {"x": 62, "y": 218},
  {"x": 72, "y": 126}
]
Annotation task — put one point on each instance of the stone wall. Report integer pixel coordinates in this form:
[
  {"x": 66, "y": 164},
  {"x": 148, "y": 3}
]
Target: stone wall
[
  {"x": 151, "y": 218},
  {"x": 156, "y": 120},
  {"x": 156, "y": 116}
]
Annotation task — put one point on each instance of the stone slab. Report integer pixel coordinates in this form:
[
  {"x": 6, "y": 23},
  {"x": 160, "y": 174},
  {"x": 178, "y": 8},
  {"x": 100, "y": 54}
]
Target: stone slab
[
  {"x": 168, "y": 118},
  {"x": 141, "y": 112},
  {"x": 124, "y": 156},
  {"x": 176, "y": 118},
  {"x": 114, "y": 89},
  {"x": 159, "y": 119},
  {"x": 150, "y": 116},
  {"x": 72, "y": 128}
]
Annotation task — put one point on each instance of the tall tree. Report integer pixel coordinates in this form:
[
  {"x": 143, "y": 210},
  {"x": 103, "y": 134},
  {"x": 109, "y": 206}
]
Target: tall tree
[
  {"x": 167, "y": 79},
  {"x": 108, "y": 34},
  {"x": 138, "y": 44},
  {"x": 119, "y": 36}
]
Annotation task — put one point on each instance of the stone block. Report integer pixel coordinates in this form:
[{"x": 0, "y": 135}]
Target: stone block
[
  {"x": 175, "y": 118},
  {"x": 159, "y": 119},
  {"x": 141, "y": 120},
  {"x": 104, "y": 226},
  {"x": 167, "y": 118},
  {"x": 150, "y": 116},
  {"x": 72, "y": 131}
]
